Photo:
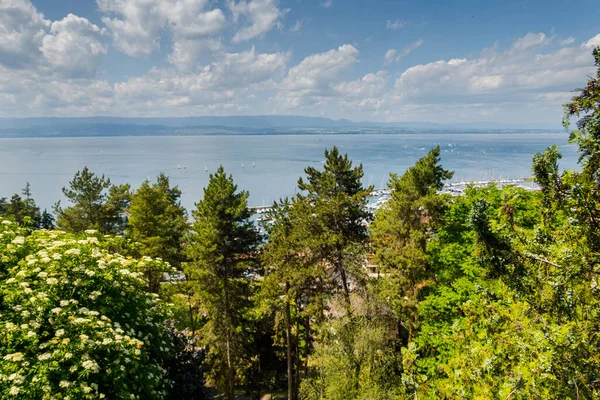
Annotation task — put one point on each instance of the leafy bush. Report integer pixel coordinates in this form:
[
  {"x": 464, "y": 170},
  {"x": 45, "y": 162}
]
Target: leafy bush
[{"x": 76, "y": 321}]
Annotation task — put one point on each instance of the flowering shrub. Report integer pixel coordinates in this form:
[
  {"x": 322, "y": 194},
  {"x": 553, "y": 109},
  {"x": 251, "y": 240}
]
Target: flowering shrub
[{"x": 75, "y": 320}]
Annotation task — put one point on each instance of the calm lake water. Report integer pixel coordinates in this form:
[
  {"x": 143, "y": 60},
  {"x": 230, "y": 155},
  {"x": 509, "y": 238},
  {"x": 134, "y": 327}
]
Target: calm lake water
[{"x": 50, "y": 163}]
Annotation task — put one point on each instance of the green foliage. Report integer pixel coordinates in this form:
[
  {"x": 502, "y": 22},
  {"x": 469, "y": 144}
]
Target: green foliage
[
  {"x": 221, "y": 252},
  {"x": 24, "y": 211},
  {"x": 333, "y": 225},
  {"x": 96, "y": 204},
  {"x": 157, "y": 223},
  {"x": 75, "y": 320},
  {"x": 400, "y": 234}
]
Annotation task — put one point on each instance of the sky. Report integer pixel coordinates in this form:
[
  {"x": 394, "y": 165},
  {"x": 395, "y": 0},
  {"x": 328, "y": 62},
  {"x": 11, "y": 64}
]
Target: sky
[{"x": 445, "y": 61}]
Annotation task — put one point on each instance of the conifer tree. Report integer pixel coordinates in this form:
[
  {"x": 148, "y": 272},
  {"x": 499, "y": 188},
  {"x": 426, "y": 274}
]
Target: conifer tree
[
  {"x": 400, "y": 234},
  {"x": 333, "y": 206},
  {"x": 157, "y": 223},
  {"x": 92, "y": 207},
  {"x": 221, "y": 251},
  {"x": 290, "y": 287},
  {"x": 22, "y": 209}
]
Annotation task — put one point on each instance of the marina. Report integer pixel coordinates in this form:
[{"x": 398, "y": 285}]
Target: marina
[{"x": 380, "y": 196}]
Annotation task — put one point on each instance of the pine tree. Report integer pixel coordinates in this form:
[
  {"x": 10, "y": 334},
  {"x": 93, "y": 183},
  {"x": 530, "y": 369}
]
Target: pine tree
[
  {"x": 335, "y": 217},
  {"x": 22, "y": 209},
  {"x": 157, "y": 222},
  {"x": 289, "y": 287},
  {"x": 221, "y": 251},
  {"x": 332, "y": 230},
  {"x": 46, "y": 220},
  {"x": 92, "y": 207},
  {"x": 400, "y": 234}
]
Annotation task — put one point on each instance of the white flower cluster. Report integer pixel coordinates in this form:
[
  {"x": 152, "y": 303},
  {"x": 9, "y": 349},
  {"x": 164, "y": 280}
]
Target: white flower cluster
[{"x": 108, "y": 326}]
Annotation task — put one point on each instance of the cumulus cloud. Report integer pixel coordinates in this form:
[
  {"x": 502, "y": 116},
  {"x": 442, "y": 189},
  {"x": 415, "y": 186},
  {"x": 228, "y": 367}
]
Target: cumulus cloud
[
  {"x": 219, "y": 87},
  {"x": 313, "y": 80},
  {"x": 371, "y": 85},
  {"x": 327, "y": 3},
  {"x": 22, "y": 29},
  {"x": 71, "y": 47},
  {"x": 315, "y": 73},
  {"x": 136, "y": 26},
  {"x": 260, "y": 17},
  {"x": 532, "y": 40},
  {"x": 51, "y": 68}
]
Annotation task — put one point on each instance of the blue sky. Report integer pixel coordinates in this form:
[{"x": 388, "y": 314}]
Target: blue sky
[{"x": 438, "y": 61}]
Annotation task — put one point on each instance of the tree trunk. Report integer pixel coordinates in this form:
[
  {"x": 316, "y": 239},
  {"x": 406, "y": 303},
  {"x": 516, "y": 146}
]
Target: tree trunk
[
  {"x": 346, "y": 292},
  {"x": 307, "y": 345},
  {"x": 297, "y": 365},
  {"x": 230, "y": 373},
  {"x": 288, "y": 337}
]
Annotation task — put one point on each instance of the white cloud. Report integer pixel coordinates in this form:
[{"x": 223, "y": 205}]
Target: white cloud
[
  {"x": 520, "y": 81},
  {"x": 567, "y": 41},
  {"x": 261, "y": 16},
  {"x": 73, "y": 46},
  {"x": 317, "y": 72},
  {"x": 22, "y": 29},
  {"x": 592, "y": 43},
  {"x": 136, "y": 26},
  {"x": 312, "y": 82},
  {"x": 393, "y": 56},
  {"x": 395, "y": 25},
  {"x": 532, "y": 40},
  {"x": 365, "y": 94},
  {"x": 222, "y": 86},
  {"x": 297, "y": 27},
  {"x": 371, "y": 85},
  {"x": 327, "y": 3}
]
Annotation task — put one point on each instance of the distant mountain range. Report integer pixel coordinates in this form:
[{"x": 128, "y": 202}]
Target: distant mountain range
[{"x": 260, "y": 124}]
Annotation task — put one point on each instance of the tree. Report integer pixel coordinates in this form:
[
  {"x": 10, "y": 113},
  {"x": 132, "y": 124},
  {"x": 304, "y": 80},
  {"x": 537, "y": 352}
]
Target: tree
[
  {"x": 22, "y": 210},
  {"x": 46, "y": 220},
  {"x": 157, "y": 223},
  {"x": 400, "y": 234},
  {"x": 221, "y": 251},
  {"x": 332, "y": 233},
  {"x": 92, "y": 207},
  {"x": 289, "y": 288},
  {"x": 335, "y": 217}
]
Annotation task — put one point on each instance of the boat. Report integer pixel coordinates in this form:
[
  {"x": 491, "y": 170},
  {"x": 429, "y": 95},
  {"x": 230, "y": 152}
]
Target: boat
[
  {"x": 205, "y": 168},
  {"x": 253, "y": 164},
  {"x": 178, "y": 166}
]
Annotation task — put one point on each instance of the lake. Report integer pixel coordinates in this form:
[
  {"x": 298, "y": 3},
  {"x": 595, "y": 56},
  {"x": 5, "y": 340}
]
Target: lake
[{"x": 267, "y": 166}]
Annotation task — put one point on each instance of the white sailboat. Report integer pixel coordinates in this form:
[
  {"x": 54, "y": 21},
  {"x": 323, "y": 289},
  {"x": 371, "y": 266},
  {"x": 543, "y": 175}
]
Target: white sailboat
[{"x": 205, "y": 168}]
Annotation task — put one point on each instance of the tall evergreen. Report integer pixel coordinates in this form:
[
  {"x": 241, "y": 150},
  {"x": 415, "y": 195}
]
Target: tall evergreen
[
  {"x": 334, "y": 224},
  {"x": 96, "y": 204},
  {"x": 157, "y": 222},
  {"x": 401, "y": 232},
  {"x": 22, "y": 208},
  {"x": 290, "y": 288},
  {"x": 221, "y": 251}
]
